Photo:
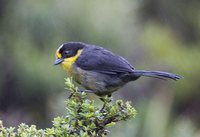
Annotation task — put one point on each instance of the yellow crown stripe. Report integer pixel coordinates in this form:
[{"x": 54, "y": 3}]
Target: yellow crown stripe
[{"x": 58, "y": 55}]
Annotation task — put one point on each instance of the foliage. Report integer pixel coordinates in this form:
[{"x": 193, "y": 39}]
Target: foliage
[{"x": 83, "y": 118}]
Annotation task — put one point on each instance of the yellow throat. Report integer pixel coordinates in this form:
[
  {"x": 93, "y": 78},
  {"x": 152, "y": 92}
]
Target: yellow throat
[{"x": 68, "y": 62}]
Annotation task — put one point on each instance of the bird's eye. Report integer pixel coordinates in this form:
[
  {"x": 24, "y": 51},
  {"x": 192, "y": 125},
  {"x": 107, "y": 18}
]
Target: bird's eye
[{"x": 67, "y": 53}]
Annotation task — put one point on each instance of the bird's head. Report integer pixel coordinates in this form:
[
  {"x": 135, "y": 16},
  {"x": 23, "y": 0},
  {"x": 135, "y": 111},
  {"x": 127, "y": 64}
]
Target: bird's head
[{"x": 68, "y": 52}]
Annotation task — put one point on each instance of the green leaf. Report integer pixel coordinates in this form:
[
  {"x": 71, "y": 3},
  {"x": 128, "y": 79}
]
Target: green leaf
[{"x": 110, "y": 124}]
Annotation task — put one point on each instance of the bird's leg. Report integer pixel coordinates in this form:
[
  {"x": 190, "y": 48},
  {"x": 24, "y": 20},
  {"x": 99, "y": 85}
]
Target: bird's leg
[
  {"x": 105, "y": 99},
  {"x": 71, "y": 94},
  {"x": 86, "y": 91}
]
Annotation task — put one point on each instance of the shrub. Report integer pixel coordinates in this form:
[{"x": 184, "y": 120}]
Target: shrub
[{"x": 83, "y": 118}]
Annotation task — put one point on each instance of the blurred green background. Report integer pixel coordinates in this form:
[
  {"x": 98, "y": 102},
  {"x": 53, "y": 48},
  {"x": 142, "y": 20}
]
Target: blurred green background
[{"x": 152, "y": 34}]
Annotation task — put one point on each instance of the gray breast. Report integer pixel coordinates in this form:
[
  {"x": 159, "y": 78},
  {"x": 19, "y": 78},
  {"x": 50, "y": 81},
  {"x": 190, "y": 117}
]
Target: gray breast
[{"x": 99, "y": 83}]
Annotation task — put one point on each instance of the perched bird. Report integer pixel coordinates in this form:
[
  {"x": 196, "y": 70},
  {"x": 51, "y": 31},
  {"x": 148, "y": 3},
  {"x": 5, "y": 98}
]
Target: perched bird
[{"x": 98, "y": 70}]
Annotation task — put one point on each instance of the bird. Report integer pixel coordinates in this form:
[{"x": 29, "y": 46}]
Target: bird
[{"x": 99, "y": 70}]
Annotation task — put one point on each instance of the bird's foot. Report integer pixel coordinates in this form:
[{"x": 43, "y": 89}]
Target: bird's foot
[
  {"x": 71, "y": 94},
  {"x": 106, "y": 99}
]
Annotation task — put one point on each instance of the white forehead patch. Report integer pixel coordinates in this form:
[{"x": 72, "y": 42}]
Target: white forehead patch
[{"x": 60, "y": 47}]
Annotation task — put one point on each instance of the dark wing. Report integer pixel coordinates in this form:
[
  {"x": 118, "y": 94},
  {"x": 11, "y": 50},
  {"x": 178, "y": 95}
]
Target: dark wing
[{"x": 101, "y": 60}]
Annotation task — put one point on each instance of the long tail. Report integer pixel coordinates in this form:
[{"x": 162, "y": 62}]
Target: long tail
[{"x": 156, "y": 74}]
